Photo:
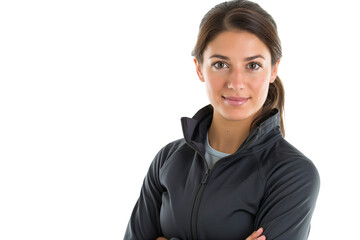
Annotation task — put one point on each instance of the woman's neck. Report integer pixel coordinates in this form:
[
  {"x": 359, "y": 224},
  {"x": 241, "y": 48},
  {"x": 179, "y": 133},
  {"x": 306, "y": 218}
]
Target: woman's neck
[{"x": 226, "y": 135}]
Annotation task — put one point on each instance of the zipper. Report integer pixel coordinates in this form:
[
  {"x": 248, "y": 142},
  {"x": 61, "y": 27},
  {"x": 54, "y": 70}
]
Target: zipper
[{"x": 195, "y": 211}]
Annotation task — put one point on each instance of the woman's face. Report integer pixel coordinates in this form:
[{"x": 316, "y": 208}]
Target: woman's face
[{"x": 237, "y": 72}]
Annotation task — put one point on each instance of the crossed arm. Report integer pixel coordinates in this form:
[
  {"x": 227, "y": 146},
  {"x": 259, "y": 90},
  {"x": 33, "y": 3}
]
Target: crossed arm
[
  {"x": 285, "y": 211},
  {"x": 256, "y": 235}
]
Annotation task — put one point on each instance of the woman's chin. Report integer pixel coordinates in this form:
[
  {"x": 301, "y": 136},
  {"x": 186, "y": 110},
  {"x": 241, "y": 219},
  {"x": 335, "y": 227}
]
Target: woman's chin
[{"x": 239, "y": 115}]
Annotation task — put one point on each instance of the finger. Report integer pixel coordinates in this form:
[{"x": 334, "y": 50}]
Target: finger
[
  {"x": 255, "y": 234},
  {"x": 161, "y": 238}
]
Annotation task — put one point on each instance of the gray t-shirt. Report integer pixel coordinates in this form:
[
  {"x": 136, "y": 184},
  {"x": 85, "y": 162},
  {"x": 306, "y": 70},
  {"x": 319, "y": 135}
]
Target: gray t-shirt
[{"x": 212, "y": 155}]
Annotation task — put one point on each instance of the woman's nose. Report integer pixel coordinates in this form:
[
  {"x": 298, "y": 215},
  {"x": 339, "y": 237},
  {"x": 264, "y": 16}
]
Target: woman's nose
[{"x": 236, "y": 80}]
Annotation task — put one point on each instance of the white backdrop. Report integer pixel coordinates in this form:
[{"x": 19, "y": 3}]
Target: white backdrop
[{"x": 91, "y": 90}]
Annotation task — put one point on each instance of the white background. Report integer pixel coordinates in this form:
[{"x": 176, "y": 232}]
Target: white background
[{"x": 91, "y": 90}]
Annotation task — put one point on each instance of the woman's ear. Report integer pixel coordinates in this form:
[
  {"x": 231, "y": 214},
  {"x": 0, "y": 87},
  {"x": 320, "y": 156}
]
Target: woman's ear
[
  {"x": 198, "y": 70},
  {"x": 274, "y": 71}
]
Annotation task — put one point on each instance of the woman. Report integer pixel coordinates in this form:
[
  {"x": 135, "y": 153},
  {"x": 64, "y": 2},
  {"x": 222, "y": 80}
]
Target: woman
[{"x": 233, "y": 175}]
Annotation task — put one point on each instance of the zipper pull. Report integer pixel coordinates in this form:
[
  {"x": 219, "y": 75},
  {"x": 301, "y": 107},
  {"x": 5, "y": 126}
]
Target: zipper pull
[{"x": 205, "y": 177}]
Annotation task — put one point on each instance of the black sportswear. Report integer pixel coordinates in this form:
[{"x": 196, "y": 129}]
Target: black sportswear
[{"x": 267, "y": 183}]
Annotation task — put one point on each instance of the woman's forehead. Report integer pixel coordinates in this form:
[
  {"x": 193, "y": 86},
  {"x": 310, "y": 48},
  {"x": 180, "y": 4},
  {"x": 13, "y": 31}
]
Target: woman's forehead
[{"x": 240, "y": 44}]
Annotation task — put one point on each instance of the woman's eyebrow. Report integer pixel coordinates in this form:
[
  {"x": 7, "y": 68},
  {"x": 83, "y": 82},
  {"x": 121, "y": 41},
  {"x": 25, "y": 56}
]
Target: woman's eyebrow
[
  {"x": 245, "y": 59},
  {"x": 219, "y": 56},
  {"x": 254, "y": 57}
]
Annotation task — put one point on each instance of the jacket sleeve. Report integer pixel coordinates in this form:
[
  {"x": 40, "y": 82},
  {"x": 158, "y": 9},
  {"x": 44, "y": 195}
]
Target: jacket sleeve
[
  {"x": 289, "y": 201},
  {"x": 145, "y": 218}
]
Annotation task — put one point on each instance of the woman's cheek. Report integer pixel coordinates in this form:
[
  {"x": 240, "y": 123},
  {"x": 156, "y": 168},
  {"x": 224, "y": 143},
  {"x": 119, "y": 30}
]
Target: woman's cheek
[
  {"x": 254, "y": 84},
  {"x": 216, "y": 82},
  {"x": 259, "y": 89}
]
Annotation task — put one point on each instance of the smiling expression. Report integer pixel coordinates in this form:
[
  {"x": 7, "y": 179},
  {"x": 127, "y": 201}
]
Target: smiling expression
[{"x": 237, "y": 71}]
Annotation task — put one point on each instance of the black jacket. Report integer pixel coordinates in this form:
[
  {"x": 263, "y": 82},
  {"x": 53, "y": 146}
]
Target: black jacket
[{"x": 267, "y": 183}]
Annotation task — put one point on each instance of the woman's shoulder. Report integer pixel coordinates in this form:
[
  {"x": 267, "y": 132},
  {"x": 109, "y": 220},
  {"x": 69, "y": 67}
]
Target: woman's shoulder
[
  {"x": 173, "y": 146},
  {"x": 170, "y": 149},
  {"x": 284, "y": 161},
  {"x": 283, "y": 152}
]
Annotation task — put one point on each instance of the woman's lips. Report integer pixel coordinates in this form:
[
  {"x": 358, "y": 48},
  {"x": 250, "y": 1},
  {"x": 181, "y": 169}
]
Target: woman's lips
[{"x": 235, "y": 101}]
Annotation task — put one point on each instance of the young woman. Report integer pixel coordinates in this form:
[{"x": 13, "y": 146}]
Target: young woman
[{"x": 233, "y": 175}]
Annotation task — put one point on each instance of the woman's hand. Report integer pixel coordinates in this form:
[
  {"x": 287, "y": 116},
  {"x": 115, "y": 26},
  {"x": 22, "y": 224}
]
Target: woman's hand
[
  {"x": 161, "y": 238},
  {"x": 256, "y": 235}
]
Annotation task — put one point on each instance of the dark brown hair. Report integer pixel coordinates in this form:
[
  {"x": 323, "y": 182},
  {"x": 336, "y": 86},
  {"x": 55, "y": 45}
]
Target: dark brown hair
[{"x": 247, "y": 16}]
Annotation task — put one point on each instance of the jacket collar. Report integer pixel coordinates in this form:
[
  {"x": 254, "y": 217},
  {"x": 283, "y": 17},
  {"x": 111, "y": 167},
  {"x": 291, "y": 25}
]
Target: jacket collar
[{"x": 195, "y": 129}]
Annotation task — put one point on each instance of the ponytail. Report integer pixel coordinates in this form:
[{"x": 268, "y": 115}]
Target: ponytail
[{"x": 275, "y": 100}]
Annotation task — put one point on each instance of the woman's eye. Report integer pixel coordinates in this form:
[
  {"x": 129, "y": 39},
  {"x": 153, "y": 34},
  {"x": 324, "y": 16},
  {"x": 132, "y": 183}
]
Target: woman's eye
[
  {"x": 220, "y": 65},
  {"x": 253, "y": 66}
]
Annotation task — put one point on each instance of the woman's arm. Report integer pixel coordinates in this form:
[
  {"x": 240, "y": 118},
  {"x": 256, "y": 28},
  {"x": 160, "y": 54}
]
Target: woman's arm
[
  {"x": 289, "y": 200},
  {"x": 145, "y": 219},
  {"x": 256, "y": 235}
]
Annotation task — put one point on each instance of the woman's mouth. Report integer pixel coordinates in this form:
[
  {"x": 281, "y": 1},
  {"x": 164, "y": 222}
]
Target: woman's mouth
[{"x": 235, "y": 101}]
